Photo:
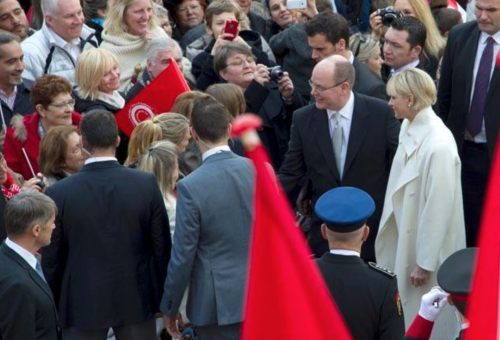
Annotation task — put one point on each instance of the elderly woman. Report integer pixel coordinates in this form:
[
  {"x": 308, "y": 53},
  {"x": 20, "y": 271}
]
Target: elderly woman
[
  {"x": 187, "y": 15},
  {"x": 422, "y": 222},
  {"x": 51, "y": 97},
  {"x": 272, "y": 98},
  {"x": 366, "y": 50},
  {"x": 166, "y": 126},
  {"x": 215, "y": 20},
  {"x": 128, "y": 28},
  {"x": 60, "y": 153}
]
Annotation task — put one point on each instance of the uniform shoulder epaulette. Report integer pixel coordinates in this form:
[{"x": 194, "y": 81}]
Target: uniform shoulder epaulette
[{"x": 381, "y": 269}]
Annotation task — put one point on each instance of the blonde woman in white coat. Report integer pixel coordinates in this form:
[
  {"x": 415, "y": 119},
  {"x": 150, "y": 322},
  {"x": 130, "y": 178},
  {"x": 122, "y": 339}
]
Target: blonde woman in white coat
[{"x": 422, "y": 221}]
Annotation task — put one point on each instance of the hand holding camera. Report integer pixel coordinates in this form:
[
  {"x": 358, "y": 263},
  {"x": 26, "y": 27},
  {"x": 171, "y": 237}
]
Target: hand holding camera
[{"x": 36, "y": 183}]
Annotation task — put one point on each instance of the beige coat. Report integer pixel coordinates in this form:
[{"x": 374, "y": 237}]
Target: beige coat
[{"x": 422, "y": 220}]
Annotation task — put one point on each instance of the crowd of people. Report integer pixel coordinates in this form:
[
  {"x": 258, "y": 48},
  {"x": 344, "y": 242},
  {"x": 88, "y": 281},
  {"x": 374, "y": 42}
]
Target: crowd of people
[{"x": 380, "y": 119}]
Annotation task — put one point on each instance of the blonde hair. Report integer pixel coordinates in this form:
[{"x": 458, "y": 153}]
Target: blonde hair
[
  {"x": 362, "y": 46},
  {"x": 115, "y": 23},
  {"x": 229, "y": 95},
  {"x": 91, "y": 67},
  {"x": 161, "y": 160},
  {"x": 185, "y": 102},
  {"x": 414, "y": 82},
  {"x": 226, "y": 6},
  {"x": 434, "y": 43},
  {"x": 165, "y": 126}
]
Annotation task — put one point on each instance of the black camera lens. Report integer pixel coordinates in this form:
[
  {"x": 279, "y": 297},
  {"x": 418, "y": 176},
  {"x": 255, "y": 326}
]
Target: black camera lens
[
  {"x": 389, "y": 14},
  {"x": 276, "y": 73}
]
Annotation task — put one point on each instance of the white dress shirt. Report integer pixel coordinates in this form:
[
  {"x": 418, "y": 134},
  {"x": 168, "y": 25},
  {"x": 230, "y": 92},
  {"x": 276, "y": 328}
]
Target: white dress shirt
[
  {"x": 215, "y": 150},
  {"x": 73, "y": 48},
  {"x": 409, "y": 66},
  {"x": 344, "y": 252},
  {"x": 100, "y": 159},
  {"x": 481, "y": 137},
  {"x": 26, "y": 255},
  {"x": 346, "y": 120}
]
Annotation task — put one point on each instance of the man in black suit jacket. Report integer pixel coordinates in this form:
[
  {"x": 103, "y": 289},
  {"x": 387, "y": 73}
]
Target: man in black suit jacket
[
  {"x": 27, "y": 309},
  {"x": 367, "y": 296},
  {"x": 370, "y": 139},
  {"x": 328, "y": 34},
  {"x": 109, "y": 254},
  {"x": 461, "y": 62}
]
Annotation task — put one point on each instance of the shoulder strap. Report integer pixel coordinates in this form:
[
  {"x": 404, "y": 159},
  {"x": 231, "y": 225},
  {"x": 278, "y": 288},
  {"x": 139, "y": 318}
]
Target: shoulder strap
[
  {"x": 49, "y": 59},
  {"x": 386, "y": 271}
]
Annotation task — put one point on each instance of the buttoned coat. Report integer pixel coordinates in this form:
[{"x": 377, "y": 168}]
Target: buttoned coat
[{"x": 422, "y": 221}]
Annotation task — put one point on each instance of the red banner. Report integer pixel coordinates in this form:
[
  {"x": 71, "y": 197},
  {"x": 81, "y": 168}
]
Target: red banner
[{"x": 157, "y": 97}]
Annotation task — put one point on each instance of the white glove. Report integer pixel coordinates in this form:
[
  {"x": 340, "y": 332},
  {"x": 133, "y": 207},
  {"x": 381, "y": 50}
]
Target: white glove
[{"x": 432, "y": 304}]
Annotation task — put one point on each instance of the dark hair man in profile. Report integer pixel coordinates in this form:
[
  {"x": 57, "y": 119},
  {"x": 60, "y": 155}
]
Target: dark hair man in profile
[
  {"x": 109, "y": 254},
  {"x": 27, "y": 309}
]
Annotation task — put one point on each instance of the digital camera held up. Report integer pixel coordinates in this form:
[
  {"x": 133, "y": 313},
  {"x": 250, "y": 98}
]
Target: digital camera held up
[
  {"x": 276, "y": 73},
  {"x": 389, "y": 14}
]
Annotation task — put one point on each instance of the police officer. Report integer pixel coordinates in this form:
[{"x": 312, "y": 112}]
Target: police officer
[
  {"x": 454, "y": 279},
  {"x": 366, "y": 295}
]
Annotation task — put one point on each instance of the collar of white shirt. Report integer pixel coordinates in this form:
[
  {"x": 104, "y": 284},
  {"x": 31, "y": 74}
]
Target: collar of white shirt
[
  {"x": 100, "y": 159},
  {"x": 484, "y": 36},
  {"x": 215, "y": 150},
  {"x": 26, "y": 255},
  {"x": 344, "y": 252},
  {"x": 411, "y": 65},
  {"x": 346, "y": 111},
  {"x": 351, "y": 57}
]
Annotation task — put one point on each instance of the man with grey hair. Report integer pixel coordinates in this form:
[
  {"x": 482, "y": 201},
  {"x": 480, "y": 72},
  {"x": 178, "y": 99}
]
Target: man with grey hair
[
  {"x": 14, "y": 97},
  {"x": 27, "y": 309},
  {"x": 56, "y": 47},
  {"x": 13, "y": 19},
  {"x": 158, "y": 54},
  {"x": 357, "y": 137}
]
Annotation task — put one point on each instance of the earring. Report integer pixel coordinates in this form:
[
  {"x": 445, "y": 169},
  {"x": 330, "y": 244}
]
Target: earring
[{"x": 409, "y": 104}]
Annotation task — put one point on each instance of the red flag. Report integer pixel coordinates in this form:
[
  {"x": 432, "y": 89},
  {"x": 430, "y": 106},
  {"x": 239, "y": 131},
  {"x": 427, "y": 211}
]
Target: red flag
[
  {"x": 483, "y": 304},
  {"x": 286, "y": 296},
  {"x": 157, "y": 97}
]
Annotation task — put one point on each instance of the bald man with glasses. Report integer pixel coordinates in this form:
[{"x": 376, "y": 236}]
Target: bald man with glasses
[{"x": 343, "y": 139}]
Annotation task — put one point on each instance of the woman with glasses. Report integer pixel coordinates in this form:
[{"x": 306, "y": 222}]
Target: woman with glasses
[
  {"x": 270, "y": 95},
  {"x": 366, "y": 50},
  {"x": 54, "y": 106},
  {"x": 129, "y": 27}
]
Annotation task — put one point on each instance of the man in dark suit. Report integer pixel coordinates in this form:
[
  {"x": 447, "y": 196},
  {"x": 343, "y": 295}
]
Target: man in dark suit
[
  {"x": 212, "y": 231},
  {"x": 27, "y": 309},
  {"x": 109, "y": 254},
  {"x": 328, "y": 34},
  {"x": 469, "y": 102},
  {"x": 403, "y": 47},
  {"x": 367, "y": 296},
  {"x": 344, "y": 139}
]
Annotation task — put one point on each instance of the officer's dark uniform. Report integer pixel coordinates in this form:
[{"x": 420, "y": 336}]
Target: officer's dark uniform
[{"x": 366, "y": 295}]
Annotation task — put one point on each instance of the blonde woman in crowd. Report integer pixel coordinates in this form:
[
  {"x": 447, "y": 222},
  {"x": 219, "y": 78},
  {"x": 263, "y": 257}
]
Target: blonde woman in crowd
[
  {"x": 128, "y": 28},
  {"x": 366, "y": 50},
  {"x": 422, "y": 221},
  {"x": 166, "y": 126}
]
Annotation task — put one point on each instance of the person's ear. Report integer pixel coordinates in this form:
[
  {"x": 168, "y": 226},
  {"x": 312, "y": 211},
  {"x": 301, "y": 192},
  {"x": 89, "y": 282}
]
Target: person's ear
[
  {"x": 340, "y": 45},
  {"x": 49, "y": 21},
  {"x": 229, "y": 129},
  {"x": 324, "y": 231},
  {"x": 193, "y": 133},
  {"x": 149, "y": 65},
  {"x": 415, "y": 51},
  {"x": 366, "y": 232},
  {"x": 117, "y": 142},
  {"x": 208, "y": 29},
  {"x": 222, "y": 75},
  {"x": 41, "y": 110},
  {"x": 35, "y": 231}
]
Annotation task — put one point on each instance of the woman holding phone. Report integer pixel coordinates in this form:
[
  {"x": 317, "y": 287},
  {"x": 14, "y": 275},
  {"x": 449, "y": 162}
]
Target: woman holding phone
[{"x": 216, "y": 16}]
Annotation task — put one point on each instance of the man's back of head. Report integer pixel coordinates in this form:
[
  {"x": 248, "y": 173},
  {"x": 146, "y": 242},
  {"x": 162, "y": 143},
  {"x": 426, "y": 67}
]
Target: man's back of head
[
  {"x": 210, "y": 122},
  {"x": 99, "y": 131},
  {"x": 328, "y": 34}
]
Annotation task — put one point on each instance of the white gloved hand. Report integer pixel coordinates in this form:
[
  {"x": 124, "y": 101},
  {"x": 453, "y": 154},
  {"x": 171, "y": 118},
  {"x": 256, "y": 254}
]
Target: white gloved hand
[{"x": 432, "y": 304}]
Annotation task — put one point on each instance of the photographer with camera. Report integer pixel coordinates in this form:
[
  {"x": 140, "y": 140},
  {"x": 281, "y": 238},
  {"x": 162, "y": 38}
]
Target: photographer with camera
[{"x": 269, "y": 93}]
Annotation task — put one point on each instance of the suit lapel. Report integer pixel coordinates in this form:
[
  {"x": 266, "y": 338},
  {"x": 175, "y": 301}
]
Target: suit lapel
[
  {"x": 359, "y": 127},
  {"x": 470, "y": 45},
  {"x": 31, "y": 272},
  {"x": 322, "y": 134}
]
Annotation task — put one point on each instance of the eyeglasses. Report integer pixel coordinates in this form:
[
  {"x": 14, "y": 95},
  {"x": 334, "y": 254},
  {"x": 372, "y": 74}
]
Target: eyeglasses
[
  {"x": 70, "y": 103},
  {"x": 319, "y": 89},
  {"x": 240, "y": 62},
  {"x": 361, "y": 40}
]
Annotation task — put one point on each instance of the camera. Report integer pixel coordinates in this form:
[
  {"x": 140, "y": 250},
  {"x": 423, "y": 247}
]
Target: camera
[
  {"x": 276, "y": 73},
  {"x": 41, "y": 183},
  {"x": 389, "y": 14}
]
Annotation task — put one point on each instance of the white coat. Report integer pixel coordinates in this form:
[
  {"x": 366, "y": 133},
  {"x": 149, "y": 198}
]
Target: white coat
[{"x": 422, "y": 220}]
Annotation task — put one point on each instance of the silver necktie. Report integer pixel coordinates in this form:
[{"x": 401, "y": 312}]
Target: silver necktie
[{"x": 337, "y": 141}]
